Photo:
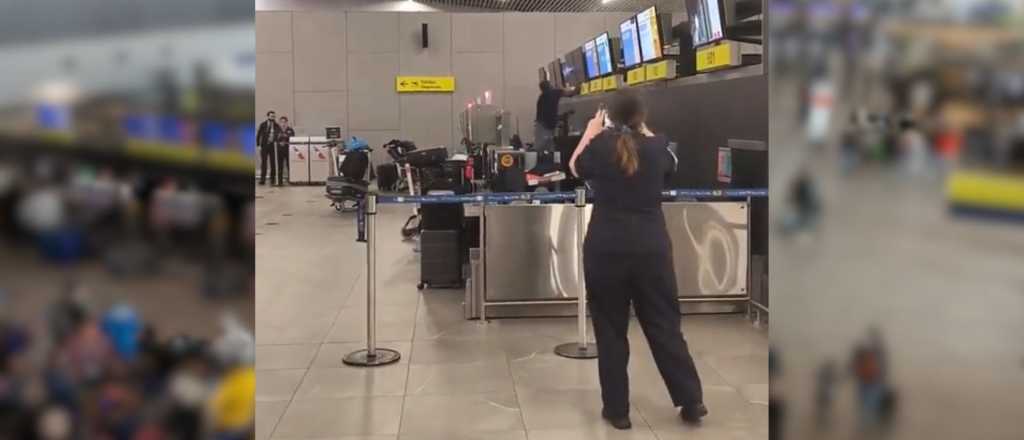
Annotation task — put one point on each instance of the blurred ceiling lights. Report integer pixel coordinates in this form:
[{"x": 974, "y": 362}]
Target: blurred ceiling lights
[{"x": 675, "y": 6}]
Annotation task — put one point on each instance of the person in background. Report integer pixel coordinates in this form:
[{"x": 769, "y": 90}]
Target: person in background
[
  {"x": 870, "y": 369},
  {"x": 283, "y": 137},
  {"x": 627, "y": 257},
  {"x": 824, "y": 393},
  {"x": 547, "y": 115},
  {"x": 914, "y": 147},
  {"x": 266, "y": 137}
]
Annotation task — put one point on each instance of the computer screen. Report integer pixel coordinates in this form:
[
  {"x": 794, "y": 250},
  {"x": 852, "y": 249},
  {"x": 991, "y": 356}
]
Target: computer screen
[
  {"x": 567, "y": 72},
  {"x": 630, "y": 43},
  {"x": 590, "y": 54},
  {"x": 649, "y": 33},
  {"x": 555, "y": 73},
  {"x": 580, "y": 64},
  {"x": 707, "y": 22},
  {"x": 605, "y": 64},
  {"x": 572, "y": 69}
]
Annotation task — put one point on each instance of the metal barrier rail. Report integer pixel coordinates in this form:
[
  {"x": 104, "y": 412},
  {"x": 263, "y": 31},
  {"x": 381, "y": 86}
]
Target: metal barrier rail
[
  {"x": 582, "y": 348},
  {"x": 493, "y": 198}
]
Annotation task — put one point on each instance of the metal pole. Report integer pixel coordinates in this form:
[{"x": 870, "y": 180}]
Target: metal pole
[
  {"x": 277, "y": 164},
  {"x": 372, "y": 356},
  {"x": 371, "y": 275},
  {"x": 581, "y": 308},
  {"x": 581, "y": 349}
]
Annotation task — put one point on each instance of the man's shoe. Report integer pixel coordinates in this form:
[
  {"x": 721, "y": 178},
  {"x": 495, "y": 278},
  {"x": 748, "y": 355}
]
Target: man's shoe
[
  {"x": 693, "y": 414},
  {"x": 618, "y": 422}
]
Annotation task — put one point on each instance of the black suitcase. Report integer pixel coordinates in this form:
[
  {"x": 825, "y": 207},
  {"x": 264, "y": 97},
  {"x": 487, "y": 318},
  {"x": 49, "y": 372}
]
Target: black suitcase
[
  {"x": 427, "y": 158},
  {"x": 440, "y": 259},
  {"x": 387, "y": 177}
]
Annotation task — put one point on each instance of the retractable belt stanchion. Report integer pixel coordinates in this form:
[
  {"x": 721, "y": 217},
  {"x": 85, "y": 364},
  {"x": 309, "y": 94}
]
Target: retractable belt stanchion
[
  {"x": 371, "y": 356},
  {"x": 581, "y": 349},
  {"x": 278, "y": 177}
]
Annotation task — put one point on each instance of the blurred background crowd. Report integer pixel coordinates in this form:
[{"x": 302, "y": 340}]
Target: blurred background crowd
[
  {"x": 126, "y": 229},
  {"x": 897, "y": 177},
  {"x": 126, "y": 219}
]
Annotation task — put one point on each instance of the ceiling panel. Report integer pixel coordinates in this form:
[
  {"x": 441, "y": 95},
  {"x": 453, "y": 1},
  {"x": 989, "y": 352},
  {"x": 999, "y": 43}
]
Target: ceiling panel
[{"x": 675, "y": 6}]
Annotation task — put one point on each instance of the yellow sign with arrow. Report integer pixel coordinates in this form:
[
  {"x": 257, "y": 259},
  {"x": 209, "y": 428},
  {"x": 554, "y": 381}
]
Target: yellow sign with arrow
[{"x": 414, "y": 84}]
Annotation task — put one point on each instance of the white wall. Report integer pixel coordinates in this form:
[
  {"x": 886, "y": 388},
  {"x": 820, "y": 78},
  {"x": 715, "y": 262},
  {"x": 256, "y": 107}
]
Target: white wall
[{"x": 327, "y": 67}]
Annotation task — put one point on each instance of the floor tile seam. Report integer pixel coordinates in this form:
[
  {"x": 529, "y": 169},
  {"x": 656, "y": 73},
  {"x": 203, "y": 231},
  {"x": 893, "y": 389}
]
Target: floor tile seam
[
  {"x": 408, "y": 369},
  {"x": 728, "y": 382},
  {"x": 515, "y": 392},
  {"x": 305, "y": 374}
]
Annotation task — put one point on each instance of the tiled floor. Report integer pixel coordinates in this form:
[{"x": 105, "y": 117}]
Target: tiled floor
[{"x": 457, "y": 379}]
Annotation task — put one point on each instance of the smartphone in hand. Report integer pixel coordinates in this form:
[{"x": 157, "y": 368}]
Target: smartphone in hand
[{"x": 607, "y": 120}]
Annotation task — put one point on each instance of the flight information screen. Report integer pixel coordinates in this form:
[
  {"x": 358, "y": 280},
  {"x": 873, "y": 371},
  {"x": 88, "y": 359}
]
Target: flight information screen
[
  {"x": 630, "y": 43},
  {"x": 706, "y": 22},
  {"x": 590, "y": 55},
  {"x": 650, "y": 35},
  {"x": 604, "y": 54}
]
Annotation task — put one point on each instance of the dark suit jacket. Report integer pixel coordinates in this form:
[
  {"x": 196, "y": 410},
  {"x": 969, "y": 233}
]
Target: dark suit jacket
[{"x": 263, "y": 138}]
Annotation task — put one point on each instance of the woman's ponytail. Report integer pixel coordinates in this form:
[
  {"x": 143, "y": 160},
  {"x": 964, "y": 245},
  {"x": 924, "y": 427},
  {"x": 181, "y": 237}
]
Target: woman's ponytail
[
  {"x": 626, "y": 155},
  {"x": 627, "y": 112}
]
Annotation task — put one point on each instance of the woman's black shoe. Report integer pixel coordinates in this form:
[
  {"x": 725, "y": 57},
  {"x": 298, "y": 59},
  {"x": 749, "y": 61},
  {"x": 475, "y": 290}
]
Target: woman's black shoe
[
  {"x": 619, "y": 422},
  {"x": 693, "y": 414}
]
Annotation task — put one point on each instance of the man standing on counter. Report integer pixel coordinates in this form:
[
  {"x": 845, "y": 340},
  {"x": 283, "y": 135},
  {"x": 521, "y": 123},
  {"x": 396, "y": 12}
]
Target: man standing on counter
[{"x": 547, "y": 115}]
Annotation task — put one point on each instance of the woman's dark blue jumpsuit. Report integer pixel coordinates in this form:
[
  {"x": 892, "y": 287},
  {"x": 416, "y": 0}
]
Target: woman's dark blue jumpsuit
[{"x": 627, "y": 259}]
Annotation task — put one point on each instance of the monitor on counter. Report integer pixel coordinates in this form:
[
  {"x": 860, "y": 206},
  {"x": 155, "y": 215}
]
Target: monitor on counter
[
  {"x": 605, "y": 61},
  {"x": 555, "y": 73},
  {"x": 590, "y": 54},
  {"x": 581, "y": 66},
  {"x": 649, "y": 33},
  {"x": 567, "y": 72},
  {"x": 579, "y": 73},
  {"x": 630, "y": 43},
  {"x": 707, "y": 21}
]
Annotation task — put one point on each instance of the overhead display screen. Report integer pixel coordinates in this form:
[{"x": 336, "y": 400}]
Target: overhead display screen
[
  {"x": 555, "y": 71},
  {"x": 568, "y": 77},
  {"x": 590, "y": 55},
  {"x": 604, "y": 54},
  {"x": 650, "y": 35},
  {"x": 581, "y": 63},
  {"x": 706, "y": 21},
  {"x": 630, "y": 43}
]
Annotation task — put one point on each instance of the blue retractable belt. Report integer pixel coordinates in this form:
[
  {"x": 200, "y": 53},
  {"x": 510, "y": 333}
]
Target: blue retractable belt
[{"x": 554, "y": 197}]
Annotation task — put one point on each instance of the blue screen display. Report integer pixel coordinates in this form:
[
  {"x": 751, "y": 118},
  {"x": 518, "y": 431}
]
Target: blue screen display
[
  {"x": 630, "y": 43},
  {"x": 590, "y": 55},
  {"x": 604, "y": 54},
  {"x": 650, "y": 35}
]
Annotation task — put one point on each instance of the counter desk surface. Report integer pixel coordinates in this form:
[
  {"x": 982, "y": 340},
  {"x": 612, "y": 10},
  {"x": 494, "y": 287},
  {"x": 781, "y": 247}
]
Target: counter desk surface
[{"x": 528, "y": 264}]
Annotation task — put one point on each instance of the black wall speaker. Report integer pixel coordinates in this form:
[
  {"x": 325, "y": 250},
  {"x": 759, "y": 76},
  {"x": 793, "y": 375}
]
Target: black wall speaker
[{"x": 423, "y": 35}]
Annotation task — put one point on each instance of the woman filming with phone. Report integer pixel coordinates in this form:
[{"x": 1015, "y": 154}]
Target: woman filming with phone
[{"x": 627, "y": 256}]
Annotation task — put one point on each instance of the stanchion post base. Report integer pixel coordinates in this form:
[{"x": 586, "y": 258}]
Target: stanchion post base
[
  {"x": 362, "y": 358},
  {"x": 573, "y": 350}
]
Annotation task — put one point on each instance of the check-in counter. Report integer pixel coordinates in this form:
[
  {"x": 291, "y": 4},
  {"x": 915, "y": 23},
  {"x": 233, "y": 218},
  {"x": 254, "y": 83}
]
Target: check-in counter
[{"x": 528, "y": 260}]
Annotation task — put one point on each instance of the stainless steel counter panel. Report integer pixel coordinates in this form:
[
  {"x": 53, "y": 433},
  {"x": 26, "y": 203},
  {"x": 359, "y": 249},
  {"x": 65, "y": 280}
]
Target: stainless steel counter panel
[
  {"x": 710, "y": 247},
  {"x": 531, "y": 254}
]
